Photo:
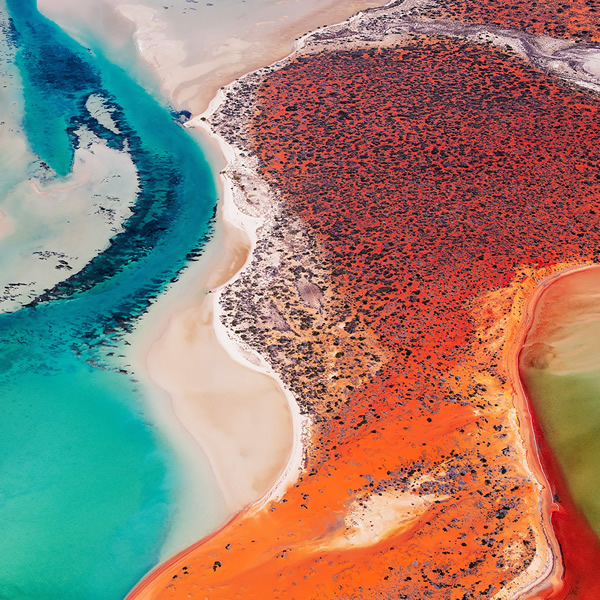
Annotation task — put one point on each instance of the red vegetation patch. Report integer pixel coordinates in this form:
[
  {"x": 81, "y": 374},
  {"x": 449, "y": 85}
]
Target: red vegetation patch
[
  {"x": 574, "y": 19},
  {"x": 431, "y": 175}
]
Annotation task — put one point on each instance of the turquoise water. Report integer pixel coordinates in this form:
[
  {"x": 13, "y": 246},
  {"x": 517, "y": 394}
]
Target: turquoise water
[{"x": 86, "y": 483}]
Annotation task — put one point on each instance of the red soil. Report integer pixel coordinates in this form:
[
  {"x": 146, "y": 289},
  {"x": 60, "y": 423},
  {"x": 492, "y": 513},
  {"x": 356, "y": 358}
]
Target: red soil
[
  {"x": 574, "y": 19},
  {"x": 433, "y": 175}
]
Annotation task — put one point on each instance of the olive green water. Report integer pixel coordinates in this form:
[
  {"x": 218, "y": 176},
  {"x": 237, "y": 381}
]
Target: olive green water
[
  {"x": 560, "y": 367},
  {"x": 569, "y": 410}
]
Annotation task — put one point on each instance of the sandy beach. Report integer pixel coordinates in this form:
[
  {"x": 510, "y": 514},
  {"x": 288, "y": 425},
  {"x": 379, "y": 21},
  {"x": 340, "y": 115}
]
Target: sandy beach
[
  {"x": 193, "y": 68},
  {"x": 237, "y": 415},
  {"x": 192, "y": 51},
  {"x": 223, "y": 396}
]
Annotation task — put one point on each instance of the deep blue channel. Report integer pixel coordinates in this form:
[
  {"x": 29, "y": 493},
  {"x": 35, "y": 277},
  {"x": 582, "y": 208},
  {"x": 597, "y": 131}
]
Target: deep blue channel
[{"x": 86, "y": 483}]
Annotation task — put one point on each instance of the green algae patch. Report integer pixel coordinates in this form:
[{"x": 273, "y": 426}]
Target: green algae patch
[
  {"x": 568, "y": 408},
  {"x": 560, "y": 369}
]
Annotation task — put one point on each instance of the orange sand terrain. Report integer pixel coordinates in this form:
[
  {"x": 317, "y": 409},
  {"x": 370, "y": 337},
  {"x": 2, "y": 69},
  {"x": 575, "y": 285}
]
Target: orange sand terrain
[
  {"x": 419, "y": 193},
  {"x": 424, "y": 191}
]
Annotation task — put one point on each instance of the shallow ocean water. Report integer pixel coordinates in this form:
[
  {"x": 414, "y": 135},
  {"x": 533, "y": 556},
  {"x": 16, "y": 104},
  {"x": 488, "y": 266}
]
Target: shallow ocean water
[{"x": 88, "y": 484}]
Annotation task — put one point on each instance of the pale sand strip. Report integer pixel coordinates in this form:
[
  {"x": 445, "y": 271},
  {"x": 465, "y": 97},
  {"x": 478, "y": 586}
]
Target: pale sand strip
[
  {"x": 192, "y": 70},
  {"x": 222, "y": 394},
  {"x": 290, "y": 464},
  {"x": 226, "y": 397},
  {"x": 236, "y": 414}
]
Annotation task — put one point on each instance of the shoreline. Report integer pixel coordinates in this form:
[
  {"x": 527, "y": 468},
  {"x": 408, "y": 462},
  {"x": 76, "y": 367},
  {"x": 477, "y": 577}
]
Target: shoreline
[
  {"x": 242, "y": 354},
  {"x": 569, "y": 524},
  {"x": 201, "y": 291},
  {"x": 523, "y": 314}
]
